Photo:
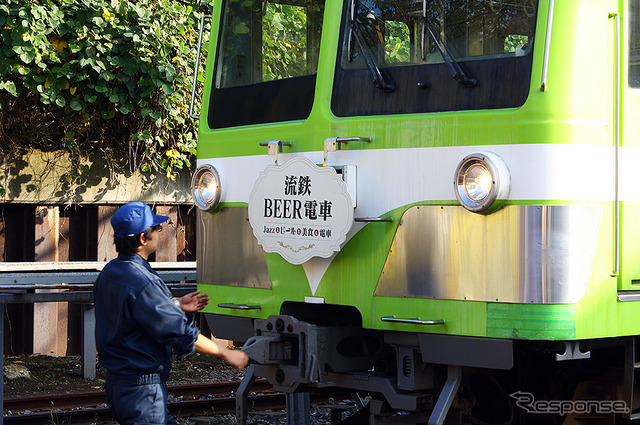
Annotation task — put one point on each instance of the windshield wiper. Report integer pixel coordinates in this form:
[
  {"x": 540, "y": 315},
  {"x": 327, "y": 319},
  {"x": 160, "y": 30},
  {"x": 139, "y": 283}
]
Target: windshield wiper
[
  {"x": 454, "y": 68},
  {"x": 367, "y": 55}
]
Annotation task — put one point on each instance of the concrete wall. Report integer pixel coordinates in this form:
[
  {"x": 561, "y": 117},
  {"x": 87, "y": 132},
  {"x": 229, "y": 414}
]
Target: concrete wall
[{"x": 42, "y": 178}]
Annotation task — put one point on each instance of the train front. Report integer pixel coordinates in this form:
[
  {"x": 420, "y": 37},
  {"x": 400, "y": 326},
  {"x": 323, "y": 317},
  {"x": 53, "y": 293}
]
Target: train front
[{"x": 390, "y": 192}]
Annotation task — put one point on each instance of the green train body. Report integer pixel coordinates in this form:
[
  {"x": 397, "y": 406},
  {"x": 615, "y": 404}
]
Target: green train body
[{"x": 549, "y": 90}]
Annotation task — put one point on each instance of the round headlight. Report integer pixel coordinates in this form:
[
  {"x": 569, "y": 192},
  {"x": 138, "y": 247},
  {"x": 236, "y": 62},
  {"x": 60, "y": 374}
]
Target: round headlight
[
  {"x": 480, "y": 180},
  {"x": 205, "y": 187}
]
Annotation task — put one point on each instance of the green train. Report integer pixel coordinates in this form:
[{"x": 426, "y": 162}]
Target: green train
[{"x": 431, "y": 202}]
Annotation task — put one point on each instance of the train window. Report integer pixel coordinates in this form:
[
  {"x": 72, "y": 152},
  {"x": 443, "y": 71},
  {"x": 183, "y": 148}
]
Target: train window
[
  {"x": 634, "y": 43},
  {"x": 469, "y": 30},
  {"x": 266, "y": 62},
  {"x": 281, "y": 51},
  {"x": 415, "y": 43}
]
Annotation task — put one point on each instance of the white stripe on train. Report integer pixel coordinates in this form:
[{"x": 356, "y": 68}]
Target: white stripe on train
[{"x": 391, "y": 178}]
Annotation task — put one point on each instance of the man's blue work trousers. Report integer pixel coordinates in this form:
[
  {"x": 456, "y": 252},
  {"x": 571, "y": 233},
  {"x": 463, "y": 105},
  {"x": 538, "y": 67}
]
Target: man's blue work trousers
[{"x": 144, "y": 404}]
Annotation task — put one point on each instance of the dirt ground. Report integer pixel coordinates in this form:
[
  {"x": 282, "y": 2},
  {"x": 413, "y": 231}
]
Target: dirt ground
[{"x": 60, "y": 375}]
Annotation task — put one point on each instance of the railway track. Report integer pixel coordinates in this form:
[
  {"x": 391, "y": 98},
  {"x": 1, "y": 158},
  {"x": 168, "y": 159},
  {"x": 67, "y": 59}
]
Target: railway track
[{"x": 88, "y": 408}]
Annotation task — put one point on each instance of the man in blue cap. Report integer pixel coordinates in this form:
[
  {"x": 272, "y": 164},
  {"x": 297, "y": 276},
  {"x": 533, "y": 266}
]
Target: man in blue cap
[{"x": 138, "y": 325}]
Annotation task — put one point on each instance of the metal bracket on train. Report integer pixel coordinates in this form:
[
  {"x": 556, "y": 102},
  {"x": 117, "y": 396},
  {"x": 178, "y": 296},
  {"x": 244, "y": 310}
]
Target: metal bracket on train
[
  {"x": 292, "y": 355},
  {"x": 572, "y": 352},
  {"x": 332, "y": 144},
  {"x": 289, "y": 352},
  {"x": 274, "y": 147}
]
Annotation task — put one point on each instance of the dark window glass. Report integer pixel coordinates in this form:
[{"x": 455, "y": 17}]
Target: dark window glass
[
  {"x": 267, "y": 61},
  {"x": 491, "y": 41},
  {"x": 634, "y": 43}
]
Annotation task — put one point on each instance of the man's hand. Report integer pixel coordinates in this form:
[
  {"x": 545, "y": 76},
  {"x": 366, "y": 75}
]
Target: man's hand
[
  {"x": 235, "y": 358},
  {"x": 194, "y": 301}
]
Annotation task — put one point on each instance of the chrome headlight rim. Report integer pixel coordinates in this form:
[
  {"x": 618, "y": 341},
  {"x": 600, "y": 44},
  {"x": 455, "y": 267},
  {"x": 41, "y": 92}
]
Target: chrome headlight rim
[
  {"x": 205, "y": 203},
  {"x": 496, "y": 186}
]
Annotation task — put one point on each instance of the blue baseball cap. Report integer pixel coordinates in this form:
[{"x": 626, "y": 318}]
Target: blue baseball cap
[{"x": 134, "y": 218}]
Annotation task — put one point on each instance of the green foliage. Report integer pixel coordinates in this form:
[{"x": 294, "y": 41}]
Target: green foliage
[
  {"x": 284, "y": 41},
  {"x": 397, "y": 44},
  {"x": 108, "y": 76},
  {"x": 515, "y": 41}
]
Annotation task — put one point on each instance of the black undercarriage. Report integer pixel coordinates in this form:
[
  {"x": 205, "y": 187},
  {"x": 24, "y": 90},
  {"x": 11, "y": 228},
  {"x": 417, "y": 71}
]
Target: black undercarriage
[{"x": 436, "y": 379}]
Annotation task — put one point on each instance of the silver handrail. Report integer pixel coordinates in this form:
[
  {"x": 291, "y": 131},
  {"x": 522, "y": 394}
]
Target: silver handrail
[
  {"x": 547, "y": 47},
  {"x": 196, "y": 67},
  {"x": 373, "y": 219},
  {"x": 234, "y": 306},
  {"x": 616, "y": 163},
  {"x": 412, "y": 321}
]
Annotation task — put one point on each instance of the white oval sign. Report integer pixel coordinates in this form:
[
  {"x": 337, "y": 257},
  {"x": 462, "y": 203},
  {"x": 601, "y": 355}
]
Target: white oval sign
[{"x": 300, "y": 210}]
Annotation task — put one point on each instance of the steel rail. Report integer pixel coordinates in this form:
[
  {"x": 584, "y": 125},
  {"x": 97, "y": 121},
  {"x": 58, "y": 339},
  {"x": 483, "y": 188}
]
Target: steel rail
[
  {"x": 183, "y": 408},
  {"x": 92, "y": 398},
  {"x": 223, "y": 404}
]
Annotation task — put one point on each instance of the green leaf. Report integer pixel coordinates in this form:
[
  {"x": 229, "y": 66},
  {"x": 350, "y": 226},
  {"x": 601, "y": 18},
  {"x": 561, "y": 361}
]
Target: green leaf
[
  {"x": 10, "y": 86},
  {"x": 125, "y": 109},
  {"x": 75, "y": 105},
  {"x": 28, "y": 56},
  {"x": 241, "y": 28},
  {"x": 167, "y": 88}
]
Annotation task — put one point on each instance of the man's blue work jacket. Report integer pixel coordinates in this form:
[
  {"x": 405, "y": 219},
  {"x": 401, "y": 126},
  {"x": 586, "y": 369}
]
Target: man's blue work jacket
[{"x": 137, "y": 324}]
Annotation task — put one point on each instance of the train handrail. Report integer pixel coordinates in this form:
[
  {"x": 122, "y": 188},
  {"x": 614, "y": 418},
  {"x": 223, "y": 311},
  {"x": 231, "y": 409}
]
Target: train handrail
[
  {"x": 196, "y": 67},
  {"x": 394, "y": 319},
  {"x": 547, "y": 47}
]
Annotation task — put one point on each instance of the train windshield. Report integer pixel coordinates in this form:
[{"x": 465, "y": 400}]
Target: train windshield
[
  {"x": 405, "y": 32},
  {"x": 267, "y": 61},
  {"x": 483, "y": 47}
]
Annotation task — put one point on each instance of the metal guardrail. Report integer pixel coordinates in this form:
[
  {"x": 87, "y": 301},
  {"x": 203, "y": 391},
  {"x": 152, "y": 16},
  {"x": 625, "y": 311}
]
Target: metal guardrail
[{"x": 73, "y": 281}]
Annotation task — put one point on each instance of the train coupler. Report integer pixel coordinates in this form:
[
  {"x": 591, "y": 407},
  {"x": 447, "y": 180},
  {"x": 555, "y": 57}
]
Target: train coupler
[{"x": 289, "y": 352}]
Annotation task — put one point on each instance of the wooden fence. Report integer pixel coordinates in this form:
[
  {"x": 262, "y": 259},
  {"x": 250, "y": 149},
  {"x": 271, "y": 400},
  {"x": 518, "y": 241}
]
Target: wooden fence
[{"x": 32, "y": 233}]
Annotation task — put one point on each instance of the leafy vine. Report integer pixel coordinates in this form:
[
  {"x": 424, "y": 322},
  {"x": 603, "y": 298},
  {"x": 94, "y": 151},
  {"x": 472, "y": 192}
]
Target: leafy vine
[{"x": 107, "y": 77}]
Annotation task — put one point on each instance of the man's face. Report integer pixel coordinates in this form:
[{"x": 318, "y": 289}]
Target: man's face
[
  {"x": 149, "y": 244},
  {"x": 154, "y": 236}
]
